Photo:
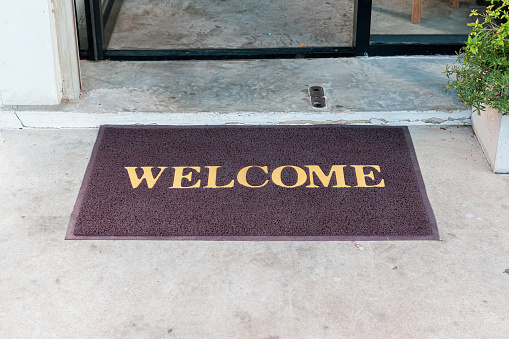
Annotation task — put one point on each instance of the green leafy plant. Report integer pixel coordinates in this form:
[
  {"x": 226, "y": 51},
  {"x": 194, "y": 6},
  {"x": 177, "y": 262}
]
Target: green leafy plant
[{"x": 480, "y": 75}]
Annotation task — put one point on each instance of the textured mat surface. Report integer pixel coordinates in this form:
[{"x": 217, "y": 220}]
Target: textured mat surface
[{"x": 253, "y": 183}]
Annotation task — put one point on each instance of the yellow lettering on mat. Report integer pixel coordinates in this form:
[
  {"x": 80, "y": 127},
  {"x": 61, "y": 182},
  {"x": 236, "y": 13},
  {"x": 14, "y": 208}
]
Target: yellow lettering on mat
[
  {"x": 301, "y": 176},
  {"x": 361, "y": 176},
  {"x": 179, "y": 176},
  {"x": 241, "y": 176},
  {"x": 184, "y": 174},
  {"x": 338, "y": 170},
  {"x": 147, "y": 175},
  {"x": 213, "y": 178}
]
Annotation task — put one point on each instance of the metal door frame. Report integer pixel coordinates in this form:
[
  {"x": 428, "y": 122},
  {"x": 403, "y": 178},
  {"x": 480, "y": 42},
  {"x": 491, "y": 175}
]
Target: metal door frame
[{"x": 101, "y": 21}]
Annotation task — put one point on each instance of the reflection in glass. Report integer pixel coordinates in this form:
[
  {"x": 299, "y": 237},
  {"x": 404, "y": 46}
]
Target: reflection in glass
[
  {"x": 195, "y": 24},
  {"x": 393, "y": 17}
]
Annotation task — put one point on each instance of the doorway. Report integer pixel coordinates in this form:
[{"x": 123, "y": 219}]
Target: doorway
[{"x": 263, "y": 29}]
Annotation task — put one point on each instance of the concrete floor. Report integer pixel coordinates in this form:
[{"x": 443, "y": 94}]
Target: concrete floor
[
  {"x": 185, "y": 24},
  {"x": 380, "y": 91},
  {"x": 51, "y": 288},
  {"x": 188, "y": 24}
]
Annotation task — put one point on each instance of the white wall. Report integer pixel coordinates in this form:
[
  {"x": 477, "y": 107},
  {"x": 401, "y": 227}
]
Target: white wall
[{"x": 29, "y": 61}]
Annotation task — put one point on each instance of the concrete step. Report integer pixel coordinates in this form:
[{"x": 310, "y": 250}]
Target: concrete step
[{"x": 378, "y": 91}]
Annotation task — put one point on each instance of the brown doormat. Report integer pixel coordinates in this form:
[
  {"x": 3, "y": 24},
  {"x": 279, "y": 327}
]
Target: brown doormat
[{"x": 253, "y": 183}]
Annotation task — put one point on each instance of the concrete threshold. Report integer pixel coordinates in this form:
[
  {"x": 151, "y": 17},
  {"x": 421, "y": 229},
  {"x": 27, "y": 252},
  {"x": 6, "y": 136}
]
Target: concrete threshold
[
  {"x": 370, "y": 91},
  {"x": 47, "y": 119}
]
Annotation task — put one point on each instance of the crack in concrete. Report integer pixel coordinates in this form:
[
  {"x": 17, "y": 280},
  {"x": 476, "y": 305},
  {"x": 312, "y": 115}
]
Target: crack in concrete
[
  {"x": 437, "y": 121},
  {"x": 381, "y": 121},
  {"x": 21, "y": 122},
  {"x": 335, "y": 122},
  {"x": 433, "y": 120}
]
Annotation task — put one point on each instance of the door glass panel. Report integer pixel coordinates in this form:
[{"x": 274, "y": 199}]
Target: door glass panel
[
  {"x": 231, "y": 24},
  {"x": 81, "y": 24},
  {"x": 439, "y": 17}
]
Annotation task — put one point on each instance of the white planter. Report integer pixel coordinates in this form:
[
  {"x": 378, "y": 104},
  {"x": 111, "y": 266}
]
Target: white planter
[{"x": 492, "y": 131}]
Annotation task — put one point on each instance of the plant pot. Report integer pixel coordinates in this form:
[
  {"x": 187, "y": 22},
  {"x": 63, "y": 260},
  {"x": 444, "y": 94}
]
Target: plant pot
[{"x": 492, "y": 131}]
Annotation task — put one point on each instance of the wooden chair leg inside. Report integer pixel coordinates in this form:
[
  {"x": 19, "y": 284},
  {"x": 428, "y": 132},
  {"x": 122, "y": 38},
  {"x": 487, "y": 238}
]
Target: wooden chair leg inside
[
  {"x": 417, "y": 11},
  {"x": 454, "y": 3}
]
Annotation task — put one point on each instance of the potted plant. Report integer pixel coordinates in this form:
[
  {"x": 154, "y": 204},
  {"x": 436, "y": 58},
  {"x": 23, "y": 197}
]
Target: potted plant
[{"x": 480, "y": 78}]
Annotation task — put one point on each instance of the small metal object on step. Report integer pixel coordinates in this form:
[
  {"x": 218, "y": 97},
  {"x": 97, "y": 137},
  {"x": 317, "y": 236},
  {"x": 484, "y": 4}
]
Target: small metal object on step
[{"x": 317, "y": 95}]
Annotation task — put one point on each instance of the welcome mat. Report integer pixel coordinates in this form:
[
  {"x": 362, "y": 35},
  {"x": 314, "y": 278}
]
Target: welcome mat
[{"x": 253, "y": 183}]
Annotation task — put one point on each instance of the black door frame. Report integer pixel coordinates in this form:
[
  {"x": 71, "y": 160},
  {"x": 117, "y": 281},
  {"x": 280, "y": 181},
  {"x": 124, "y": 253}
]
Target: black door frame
[{"x": 101, "y": 21}]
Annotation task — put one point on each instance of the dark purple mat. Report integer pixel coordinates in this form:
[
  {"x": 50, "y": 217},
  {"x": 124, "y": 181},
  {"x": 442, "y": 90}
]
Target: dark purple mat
[{"x": 253, "y": 183}]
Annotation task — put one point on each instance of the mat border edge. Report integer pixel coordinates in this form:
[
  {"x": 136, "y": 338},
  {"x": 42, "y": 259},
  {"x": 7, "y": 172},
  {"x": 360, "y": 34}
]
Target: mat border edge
[{"x": 413, "y": 157}]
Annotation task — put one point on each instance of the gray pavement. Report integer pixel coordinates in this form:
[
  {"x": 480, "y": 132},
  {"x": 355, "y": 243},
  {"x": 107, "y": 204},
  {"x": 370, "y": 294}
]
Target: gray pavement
[
  {"x": 52, "y": 288},
  {"x": 378, "y": 91}
]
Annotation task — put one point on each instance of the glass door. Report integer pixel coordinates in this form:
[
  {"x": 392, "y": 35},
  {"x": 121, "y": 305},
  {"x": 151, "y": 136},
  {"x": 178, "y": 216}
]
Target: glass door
[
  {"x": 221, "y": 29},
  {"x": 261, "y": 29},
  {"x": 421, "y": 27},
  {"x": 95, "y": 21}
]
